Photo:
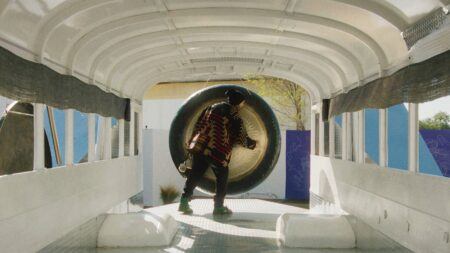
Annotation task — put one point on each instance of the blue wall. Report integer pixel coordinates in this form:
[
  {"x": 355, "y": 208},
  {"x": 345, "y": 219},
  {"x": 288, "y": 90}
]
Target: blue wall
[
  {"x": 398, "y": 137},
  {"x": 297, "y": 164},
  {"x": 434, "y": 149},
  {"x": 398, "y": 141},
  {"x": 436, "y": 143}
]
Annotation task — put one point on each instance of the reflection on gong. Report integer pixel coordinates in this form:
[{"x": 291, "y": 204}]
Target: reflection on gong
[{"x": 248, "y": 168}]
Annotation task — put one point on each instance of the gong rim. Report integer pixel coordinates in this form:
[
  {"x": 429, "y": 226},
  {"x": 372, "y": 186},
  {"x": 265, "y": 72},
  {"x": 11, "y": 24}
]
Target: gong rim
[{"x": 264, "y": 122}]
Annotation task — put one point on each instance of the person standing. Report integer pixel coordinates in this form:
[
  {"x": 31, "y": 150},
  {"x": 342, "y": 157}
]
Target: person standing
[{"x": 216, "y": 131}]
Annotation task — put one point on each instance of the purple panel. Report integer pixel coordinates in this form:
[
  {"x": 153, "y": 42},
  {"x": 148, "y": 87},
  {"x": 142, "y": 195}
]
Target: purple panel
[
  {"x": 297, "y": 164},
  {"x": 438, "y": 142}
]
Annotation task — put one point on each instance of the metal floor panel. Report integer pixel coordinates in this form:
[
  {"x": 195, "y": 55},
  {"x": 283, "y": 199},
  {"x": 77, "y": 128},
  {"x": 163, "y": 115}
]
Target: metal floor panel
[{"x": 251, "y": 228}]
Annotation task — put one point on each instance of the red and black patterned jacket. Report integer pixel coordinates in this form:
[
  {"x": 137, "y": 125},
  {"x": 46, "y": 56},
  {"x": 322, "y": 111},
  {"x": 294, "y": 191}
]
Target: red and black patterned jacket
[{"x": 220, "y": 128}]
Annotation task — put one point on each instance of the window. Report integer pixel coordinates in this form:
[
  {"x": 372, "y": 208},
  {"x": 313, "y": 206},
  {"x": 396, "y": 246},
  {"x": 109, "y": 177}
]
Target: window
[
  {"x": 16, "y": 137},
  {"x": 80, "y": 135},
  {"x": 434, "y": 137},
  {"x": 397, "y": 131},
  {"x": 114, "y": 138},
  {"x": 127, "y": 139},
  {"x": 338, "y": 136},
  {"x": 371, "y": 135},
  {"x": 54, "y": 125}
]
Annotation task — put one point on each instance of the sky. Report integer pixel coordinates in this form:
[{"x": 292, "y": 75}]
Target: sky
[{"x": 429, "y": 109}]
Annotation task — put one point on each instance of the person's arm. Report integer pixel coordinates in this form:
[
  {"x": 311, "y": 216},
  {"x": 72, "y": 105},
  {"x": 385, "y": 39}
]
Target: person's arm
[
  {"x": 243, "y": 138},
  {"x": 199, "y": 124}
]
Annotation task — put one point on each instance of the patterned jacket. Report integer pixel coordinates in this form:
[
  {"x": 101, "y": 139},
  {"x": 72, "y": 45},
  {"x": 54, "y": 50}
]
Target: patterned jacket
[{"x": 220, "y": 128}]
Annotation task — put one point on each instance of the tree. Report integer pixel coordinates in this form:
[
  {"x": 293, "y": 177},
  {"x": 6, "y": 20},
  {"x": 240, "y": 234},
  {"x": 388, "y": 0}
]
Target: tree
[
  {"x": 287, "y": 98},
  {"x": 440, "y": 120}
]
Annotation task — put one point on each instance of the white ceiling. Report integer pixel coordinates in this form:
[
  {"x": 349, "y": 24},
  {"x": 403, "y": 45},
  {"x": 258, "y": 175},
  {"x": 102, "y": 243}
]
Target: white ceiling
[{"x": 125, "y": 46}]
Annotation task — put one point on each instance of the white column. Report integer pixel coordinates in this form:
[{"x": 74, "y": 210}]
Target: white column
[
  {"x": 349, "y": 136},
  {"x": 131, "y": 130},
  {"x": 344, "y": 138},
  {"x": 383, "y": 148},
  {"x": 361, "y": 137},
  {"x": 91, "y": 137},
  {"x": 121, "y": 137},
  {"x": 141, "y": 126},
  {"x": 68, "y": 135},
  {"x": 100, "y": 147},
  {"x": 321, "y": 136},
  {"x": 413, "y": 137},
  {"x": 331, "y": 127},
  {"x": 39, "y": 149},
  {"x": 313, "y": 133},
  {"x": 107, "y": 147}
]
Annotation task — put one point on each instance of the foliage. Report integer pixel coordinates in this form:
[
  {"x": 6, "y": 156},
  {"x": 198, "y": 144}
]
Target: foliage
[
  {"x": 440, "y": 120},
  {"x": 168, "y": 193},
  {"x": 287, "y": 97}
]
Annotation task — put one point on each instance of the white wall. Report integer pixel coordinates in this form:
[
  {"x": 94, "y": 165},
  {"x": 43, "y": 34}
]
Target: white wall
[
  {"x": 159, "y": 170},
  {"x": 39, "y": 207},
  {"x": 413, "y": 209},
  {"x": 159, "y": 113}
]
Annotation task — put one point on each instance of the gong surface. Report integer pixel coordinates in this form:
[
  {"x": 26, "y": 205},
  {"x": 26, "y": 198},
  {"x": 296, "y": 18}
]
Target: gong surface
[{"x": 248, "y": 168}]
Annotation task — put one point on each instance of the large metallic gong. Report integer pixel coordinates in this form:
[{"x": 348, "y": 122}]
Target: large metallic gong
[
  {"x": 17, "y": 138},
  {"x": 248, "y": 168}
]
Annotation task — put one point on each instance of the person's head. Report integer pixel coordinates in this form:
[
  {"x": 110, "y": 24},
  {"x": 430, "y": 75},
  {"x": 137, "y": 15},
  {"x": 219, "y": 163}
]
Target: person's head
[{"x": 235, "y": 97}]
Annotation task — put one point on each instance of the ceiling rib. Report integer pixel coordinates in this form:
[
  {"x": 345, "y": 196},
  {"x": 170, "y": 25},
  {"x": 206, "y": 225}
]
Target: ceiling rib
[
  {"x": 52, "y": 20},
  {"x": 309, "y": 85},
  {"x": 123, "y": 64},
  {"x": 314, "y": 71},
  {"x": 364, "y": 38},
  {"x": 101, "y": 54},
  {"x": 70, "y": 8}
]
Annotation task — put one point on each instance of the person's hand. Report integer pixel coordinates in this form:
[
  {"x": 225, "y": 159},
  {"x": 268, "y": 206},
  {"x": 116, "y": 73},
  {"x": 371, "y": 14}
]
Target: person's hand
[{"x": 251, "y": 144}]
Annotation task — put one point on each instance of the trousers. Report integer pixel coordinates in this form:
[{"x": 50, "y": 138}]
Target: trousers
[{"x": 200, "y": 164}]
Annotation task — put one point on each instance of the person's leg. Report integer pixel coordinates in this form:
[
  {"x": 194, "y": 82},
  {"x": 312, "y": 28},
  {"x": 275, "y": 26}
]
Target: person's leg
[
  {"x": 199, "y": 165},
  {"x": 221, "y": 190}
]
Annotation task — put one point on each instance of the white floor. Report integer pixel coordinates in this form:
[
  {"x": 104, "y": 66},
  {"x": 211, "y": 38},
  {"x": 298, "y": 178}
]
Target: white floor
[{"x": 251, "y": 228}]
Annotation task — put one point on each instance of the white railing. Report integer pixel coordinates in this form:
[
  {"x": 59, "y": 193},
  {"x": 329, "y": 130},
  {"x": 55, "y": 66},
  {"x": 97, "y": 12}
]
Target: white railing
[
  {"x": 348, "y": 125},
  {"x": 43, "y": 205}
]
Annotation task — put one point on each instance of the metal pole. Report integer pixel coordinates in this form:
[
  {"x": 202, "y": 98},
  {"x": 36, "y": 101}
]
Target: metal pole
[{"x": 51, "y": 120}]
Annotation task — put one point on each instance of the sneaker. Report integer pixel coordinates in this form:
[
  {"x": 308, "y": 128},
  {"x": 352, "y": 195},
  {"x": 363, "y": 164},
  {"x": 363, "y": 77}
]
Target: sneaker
[
  {"x": 223, "y": 210},
  {"x": 184, "y": 206}
]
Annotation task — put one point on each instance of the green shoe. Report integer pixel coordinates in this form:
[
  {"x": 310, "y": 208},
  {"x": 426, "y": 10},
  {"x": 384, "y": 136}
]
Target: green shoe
[
  {"x": 184, "y": 206},
  {"x": 223, "y": 210}
]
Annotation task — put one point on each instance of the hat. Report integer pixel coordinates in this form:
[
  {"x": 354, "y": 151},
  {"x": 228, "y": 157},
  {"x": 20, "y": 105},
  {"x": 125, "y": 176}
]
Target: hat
[{"x": 235, "y": 97}]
